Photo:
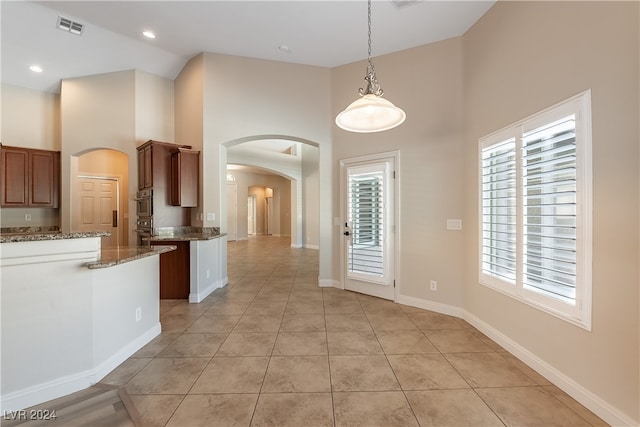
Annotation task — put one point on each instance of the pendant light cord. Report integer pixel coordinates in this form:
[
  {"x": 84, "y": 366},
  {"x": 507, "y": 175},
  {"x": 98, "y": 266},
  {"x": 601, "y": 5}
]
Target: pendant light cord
[
  {"x": 373, "y": 88},
  {"x": 369, "y": 33}
]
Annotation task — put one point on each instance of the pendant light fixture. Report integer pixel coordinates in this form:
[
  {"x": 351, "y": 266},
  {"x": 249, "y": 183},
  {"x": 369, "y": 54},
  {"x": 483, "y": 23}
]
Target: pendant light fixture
[{"x": 370, "y": 113}]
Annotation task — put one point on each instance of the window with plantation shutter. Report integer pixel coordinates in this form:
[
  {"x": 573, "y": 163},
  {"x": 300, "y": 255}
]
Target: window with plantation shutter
[
  {"x": 549, "y": 209},
  {"x": 535, "y": 202},
  {"x": 499, "y": 210}
]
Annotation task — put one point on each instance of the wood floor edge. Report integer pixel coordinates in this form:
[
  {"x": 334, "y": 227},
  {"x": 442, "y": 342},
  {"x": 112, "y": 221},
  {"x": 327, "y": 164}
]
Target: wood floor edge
[{"x": 131, "y": 408}]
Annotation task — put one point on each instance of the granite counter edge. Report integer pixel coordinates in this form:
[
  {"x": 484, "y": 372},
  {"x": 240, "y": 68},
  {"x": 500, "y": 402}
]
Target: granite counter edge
[{"x": 111, "y": 257}]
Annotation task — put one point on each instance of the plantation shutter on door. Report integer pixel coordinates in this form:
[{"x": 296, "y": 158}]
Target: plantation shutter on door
[{"x": 365, "y": 215}]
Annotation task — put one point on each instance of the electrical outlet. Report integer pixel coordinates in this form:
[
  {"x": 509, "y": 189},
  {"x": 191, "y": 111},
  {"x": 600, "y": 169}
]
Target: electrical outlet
[
  {"x": 208, "y": 273},
  {"x": 434, "y": 285},
  {"x": 138, "y": 314},
  {"x": 27, "y": 217}
]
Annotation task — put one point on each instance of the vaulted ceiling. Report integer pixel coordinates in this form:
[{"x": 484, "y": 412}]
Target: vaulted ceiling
[{"x": 320, "y": 33}]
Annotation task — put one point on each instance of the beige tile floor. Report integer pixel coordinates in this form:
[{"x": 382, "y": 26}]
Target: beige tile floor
[{"x": 274, "y": 349}]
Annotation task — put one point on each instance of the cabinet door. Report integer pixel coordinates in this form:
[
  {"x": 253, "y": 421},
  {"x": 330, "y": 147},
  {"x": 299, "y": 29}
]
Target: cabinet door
[
  {"x": 141, "y": 169},
  {"x": 148, "y": 167},
  {"x": 42, "y": 184},
  {"x": 184, "y": 178},
  {"x": 175, "y": 282},
  {"x": 15, "y": 177},
  {"x": 175, "y": 195},
  {"x": 145, "y": 168}
]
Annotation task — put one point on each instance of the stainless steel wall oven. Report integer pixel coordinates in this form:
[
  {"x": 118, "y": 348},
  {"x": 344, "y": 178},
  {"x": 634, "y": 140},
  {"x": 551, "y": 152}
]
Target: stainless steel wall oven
[{"x": 144, "y": 203}]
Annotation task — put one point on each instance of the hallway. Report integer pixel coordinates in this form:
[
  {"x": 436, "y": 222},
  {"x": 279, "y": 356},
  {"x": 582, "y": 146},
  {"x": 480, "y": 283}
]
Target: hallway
[{"x": 274, "y": 349}]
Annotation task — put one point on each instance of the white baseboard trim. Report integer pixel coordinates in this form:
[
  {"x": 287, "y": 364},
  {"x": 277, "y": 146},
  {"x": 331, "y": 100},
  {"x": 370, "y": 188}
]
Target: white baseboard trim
[
  {"x": 63, "y": 386},
  {"x": 123, "y": 354},
  {"x": 199, "y": 296},
  {"x": 438, "y": 307},
  {"x": 307, "y": 246},
  {"x": 296, "y": 246},
  {"x": 592, "y": 402},
  {"x": 329, "y": 283},
  {"x": 595, "y": 404}
]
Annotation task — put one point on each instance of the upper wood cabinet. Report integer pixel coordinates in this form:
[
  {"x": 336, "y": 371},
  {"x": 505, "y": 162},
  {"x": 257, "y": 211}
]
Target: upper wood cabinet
[
  {"x": 184, "y": 177},
  {"x": 145, "y": 166},
  {"x": 172, "y": 171},
  {"x": 30, "y": 177}
]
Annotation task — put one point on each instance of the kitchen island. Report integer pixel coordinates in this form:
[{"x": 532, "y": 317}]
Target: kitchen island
[
  {"x": 198, "y": 266},
  {"x": 71, "y": 312}
]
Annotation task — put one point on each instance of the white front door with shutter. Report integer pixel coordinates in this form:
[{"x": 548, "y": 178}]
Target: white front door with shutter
[{"x": 368, "y": 204}]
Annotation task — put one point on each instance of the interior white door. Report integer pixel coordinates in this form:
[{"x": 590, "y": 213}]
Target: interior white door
[
  {"x": 97, "y": 200},
  {"x": 368, "y": 235},
  {"x": 232, "y": 211},
  {"x": 251, "y": 215},
  {"x": 269, "y": 214}
]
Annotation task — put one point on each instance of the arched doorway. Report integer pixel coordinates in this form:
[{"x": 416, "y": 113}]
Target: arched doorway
[
  {"x": 99, "y": 184},
  {"x": 292, "y": 159}
]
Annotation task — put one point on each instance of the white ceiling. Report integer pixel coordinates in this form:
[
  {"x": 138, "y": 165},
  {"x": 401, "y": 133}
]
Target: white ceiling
[{"x": 319, "y": 33}]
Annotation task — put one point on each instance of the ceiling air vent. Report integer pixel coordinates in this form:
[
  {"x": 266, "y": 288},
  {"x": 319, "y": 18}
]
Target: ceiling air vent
[{"x": 70, "y": 26}]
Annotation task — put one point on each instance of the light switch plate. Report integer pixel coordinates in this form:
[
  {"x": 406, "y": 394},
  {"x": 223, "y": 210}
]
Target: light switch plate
[
  {"x": 211, "y": 216},
  {"x": 454, "y": 224}
]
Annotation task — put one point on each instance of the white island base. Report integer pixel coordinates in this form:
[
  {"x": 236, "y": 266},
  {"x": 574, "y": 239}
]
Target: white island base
[{"x": 64, "y": 325}]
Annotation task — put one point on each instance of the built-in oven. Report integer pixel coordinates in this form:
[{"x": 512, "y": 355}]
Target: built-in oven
[
  {"x": 144, "y": 203},
  {"x": 144, "y": 228},
  {"x": 144, "y": 211}
]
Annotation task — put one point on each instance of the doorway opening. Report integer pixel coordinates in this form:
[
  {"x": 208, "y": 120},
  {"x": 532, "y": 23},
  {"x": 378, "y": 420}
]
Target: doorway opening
[{"x": 99, "y": 181}]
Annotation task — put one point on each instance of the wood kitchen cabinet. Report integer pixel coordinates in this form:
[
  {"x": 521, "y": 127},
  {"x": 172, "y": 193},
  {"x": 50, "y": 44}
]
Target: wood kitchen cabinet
[
  {"x": 184, "y": 177},
  {"x": 175, "y": 276},
  {"x": 30, "y": 177},
  {"x": 145, "y": 167},
  {"x": 155, "y": 160}
]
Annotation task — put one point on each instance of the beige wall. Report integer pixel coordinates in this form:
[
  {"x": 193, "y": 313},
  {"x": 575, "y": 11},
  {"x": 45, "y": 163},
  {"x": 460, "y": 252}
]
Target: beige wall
[
  {"x": 427, "y": 83},
  {"x": 188, "y": 119},
  {"x": 310, "y": 197},
  {"x": 115, "y": 111},
  {"x": 96, "y": 112},
  {"x": 248, "y": 98},
  {"x": 29, "y": 119},
  {"x": 518, "y": 59},
  {"x": 154, "y": 108}
]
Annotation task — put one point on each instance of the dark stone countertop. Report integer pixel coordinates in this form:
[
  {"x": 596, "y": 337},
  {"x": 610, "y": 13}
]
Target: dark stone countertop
[
  {"x": 122, "y": 254},
  {"x": 179, "y": 237},
  {"x": 179, "y": 234}
]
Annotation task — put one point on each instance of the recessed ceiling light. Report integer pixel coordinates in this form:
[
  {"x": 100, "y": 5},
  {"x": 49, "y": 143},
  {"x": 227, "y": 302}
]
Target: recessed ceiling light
[
  {"x": 149, "y": 34},
  {"x": 284, "y": 48},
  {"x": 35, "y": 68}
]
